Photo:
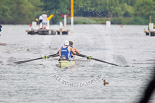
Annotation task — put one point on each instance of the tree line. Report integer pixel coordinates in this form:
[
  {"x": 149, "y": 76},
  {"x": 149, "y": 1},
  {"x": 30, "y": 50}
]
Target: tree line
[{"x": 24, "y": 11}]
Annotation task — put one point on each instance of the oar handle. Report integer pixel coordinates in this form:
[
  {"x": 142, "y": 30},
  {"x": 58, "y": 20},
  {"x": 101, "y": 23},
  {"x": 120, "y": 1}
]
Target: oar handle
[
  {"x": 54, "y": 55},
  {"x": 81, "y": 55}
]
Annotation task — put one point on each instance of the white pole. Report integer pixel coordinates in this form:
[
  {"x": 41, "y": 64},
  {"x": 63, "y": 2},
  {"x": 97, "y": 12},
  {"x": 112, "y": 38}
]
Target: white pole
[
  {"x": 150, "y": 26},
  {"x": 34, "y": 24},
  {"x": 65, "y": 21},
  {"x": 61, "y": 25},
  {"x": 108, "y": 24},
  {"x": 48, "y": 24},
  {"x": 72, "y": 21}
]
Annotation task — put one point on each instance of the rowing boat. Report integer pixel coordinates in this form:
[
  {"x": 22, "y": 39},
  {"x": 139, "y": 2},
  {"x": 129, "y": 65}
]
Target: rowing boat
[{"x": 66, "y": 63}]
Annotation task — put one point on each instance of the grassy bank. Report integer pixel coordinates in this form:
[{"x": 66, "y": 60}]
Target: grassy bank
[{"x": 116, "y": 20}]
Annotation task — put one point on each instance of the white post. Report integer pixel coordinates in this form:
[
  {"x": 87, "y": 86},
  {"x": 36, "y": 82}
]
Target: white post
[
  {"x": 34, "y": 24},
  {"x": 65, "y": 21},
  {"x": 61, "y": 25},
  {"x": 48, "y": 24},
  {"x": 150, "y": 26},
  {"x": 108, "y": 24},
  {"x": 72, "y": 21}
]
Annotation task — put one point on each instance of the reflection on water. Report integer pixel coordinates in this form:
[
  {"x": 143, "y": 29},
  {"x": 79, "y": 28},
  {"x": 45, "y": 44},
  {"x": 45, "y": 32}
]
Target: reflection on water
[{"x": 43, "y": 82}]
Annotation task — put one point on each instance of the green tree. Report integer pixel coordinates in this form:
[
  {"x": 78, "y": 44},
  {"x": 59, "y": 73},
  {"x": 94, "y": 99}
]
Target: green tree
[
  {"x": 19, "y": 11},
  {"x": 4, "y": 11},
  {"x": 24, "y": 11},
  {"x": 144, "y": 8}
]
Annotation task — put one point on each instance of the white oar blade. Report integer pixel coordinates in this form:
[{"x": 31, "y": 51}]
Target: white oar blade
[{"x": 120, "y": 59}]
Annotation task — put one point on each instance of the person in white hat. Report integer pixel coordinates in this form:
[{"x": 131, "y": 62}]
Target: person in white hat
[
  {"x": 44, "y": 20},
  {"x": 64, "y": 51}
]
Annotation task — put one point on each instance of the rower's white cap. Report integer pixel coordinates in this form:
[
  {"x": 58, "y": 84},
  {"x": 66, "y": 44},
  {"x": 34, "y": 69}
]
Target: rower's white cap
[{"x": 66, "y": 43}]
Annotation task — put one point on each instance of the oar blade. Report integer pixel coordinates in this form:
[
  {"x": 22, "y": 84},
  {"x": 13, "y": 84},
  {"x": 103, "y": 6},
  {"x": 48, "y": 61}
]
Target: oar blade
[{"x": 120, "y": 59}]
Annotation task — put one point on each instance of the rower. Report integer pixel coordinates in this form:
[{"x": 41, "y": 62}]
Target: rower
[
  {"x": 0, "y": 29},
  {"x": 64, "y": 51},
  {"x": 73, "y": 50}
]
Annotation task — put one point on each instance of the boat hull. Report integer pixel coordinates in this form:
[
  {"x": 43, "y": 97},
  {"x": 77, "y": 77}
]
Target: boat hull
[
  {"x": 66, "y": 63},
  {"x": 41, "y": 32}
]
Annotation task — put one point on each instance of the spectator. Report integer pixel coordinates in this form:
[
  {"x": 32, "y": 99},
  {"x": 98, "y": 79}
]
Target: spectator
[
  {"x": 44, "y": 20},
  {"x": 40, "y": 20},
  {"x": 0, "y": 29}
]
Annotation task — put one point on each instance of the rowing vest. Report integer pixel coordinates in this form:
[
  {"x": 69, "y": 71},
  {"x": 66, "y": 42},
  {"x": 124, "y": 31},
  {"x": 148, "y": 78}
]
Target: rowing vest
[
  {"x": 71, "y": 54},
  {"x": 65, "y": 52}
]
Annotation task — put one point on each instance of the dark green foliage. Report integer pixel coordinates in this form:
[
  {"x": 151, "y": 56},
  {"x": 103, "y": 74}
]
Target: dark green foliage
[
  {"x": 24, "y": 11},
  {"x": 19, "y": 11}
]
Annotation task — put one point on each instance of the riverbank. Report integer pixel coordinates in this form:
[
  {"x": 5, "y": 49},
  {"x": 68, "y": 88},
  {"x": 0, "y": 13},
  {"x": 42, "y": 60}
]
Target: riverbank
[
  {"x": 116, "y": 20},
  {"x": 100, "y": 20}
]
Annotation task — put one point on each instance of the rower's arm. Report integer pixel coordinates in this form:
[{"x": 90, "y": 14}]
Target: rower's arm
[
  {"x": 59, "y": 52},
  {"x": 73, "y": 52},
  {"x": 77, "y": 51},
  {"x": 71, "y": 49}
]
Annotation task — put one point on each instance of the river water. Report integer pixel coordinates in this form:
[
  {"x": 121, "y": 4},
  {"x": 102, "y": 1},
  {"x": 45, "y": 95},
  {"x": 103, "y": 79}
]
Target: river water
[{"x": 42, "y": 81}]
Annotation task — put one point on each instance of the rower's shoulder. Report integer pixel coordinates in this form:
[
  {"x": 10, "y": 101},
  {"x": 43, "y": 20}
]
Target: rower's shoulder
[
  {"x": 73, "y": 48},
  {"x": 70, "y": 48}
]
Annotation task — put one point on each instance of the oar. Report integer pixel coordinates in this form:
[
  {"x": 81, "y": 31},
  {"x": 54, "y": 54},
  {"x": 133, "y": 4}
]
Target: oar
[
  {"x": 44, "y": 57},
  {"x": 3, "y": 44},
  {"x": 89, "y": 57}
]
